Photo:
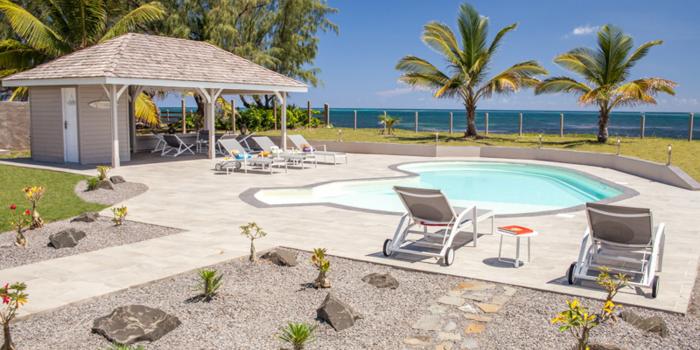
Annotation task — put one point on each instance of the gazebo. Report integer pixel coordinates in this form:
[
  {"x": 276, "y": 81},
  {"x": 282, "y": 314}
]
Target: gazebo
[{"x": 74, "y": 119}]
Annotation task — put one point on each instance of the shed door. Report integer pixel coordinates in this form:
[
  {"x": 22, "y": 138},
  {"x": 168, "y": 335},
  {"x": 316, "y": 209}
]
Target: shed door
[{"x": 70, "y": 125}]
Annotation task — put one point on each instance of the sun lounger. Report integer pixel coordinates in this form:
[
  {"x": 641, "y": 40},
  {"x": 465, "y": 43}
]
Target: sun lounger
[
  {"x": 240, "y": 158},
  {"x": 624, "y": 240},
  {"x": 295, "y": 158},
  {"x": 302, "y": 145},
  {"x": 174, "y": 144},
  {"x": 430, "y": 208},
  {"x": 160, "y": 143}
]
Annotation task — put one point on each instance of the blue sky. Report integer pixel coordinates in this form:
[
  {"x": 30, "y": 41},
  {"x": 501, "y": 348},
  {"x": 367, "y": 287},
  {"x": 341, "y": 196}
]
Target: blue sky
[{"x": 357, "y": 65}]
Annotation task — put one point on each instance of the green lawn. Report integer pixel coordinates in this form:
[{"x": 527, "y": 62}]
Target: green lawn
[
  {"x": 686, "y": 155},
  {"x": 59, "y": 202}
]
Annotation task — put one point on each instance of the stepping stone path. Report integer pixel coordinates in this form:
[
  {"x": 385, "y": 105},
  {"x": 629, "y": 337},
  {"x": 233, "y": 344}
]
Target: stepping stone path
[{"x": 455, "y": 320}]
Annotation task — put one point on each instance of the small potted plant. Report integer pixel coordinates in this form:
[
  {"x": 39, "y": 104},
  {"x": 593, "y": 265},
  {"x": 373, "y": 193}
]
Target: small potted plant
[
  {"x": 13, "y": 297},
  {"x": 297, "y": 335},
  {"x": 119, "y": 215},
  {"x": 210, "y": 282},
  {"x": 34, "y": 195},
  {"x": 323, "y": 265},
  {"x": 252, "y": 231},
  {"x": 19, "y": 220}
]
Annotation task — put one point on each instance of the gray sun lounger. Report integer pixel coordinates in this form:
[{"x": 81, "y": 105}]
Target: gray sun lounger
[
  {"x": 174, "y": 144},
  {"x": 247, "y": 160},
  {"x": 295, "y": 158},
  {"x": 299, "y": 141},
  {"x": 624, "y": 240},
  {"x": 430, "y": 208}
]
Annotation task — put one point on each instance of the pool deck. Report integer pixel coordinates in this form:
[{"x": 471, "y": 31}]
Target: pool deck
[{"x": 189, "y": 196}]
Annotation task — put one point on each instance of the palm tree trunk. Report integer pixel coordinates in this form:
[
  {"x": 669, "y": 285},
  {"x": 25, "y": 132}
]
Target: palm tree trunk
[
  {"x": 471, "y": 121},
  {"x": 7, "y": 344},
  {"x": 603, "y": 119}
]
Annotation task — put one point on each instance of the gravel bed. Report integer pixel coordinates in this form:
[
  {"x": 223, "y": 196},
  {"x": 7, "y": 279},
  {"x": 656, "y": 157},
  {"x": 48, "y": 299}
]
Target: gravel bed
[
  {"x": 524, "y": 323},
  {"x": 121, "y": 192},
  {"x": 694, "y": 307},
  {"x": 255, "y": 301},
  {"x": 100, "y": 234}
]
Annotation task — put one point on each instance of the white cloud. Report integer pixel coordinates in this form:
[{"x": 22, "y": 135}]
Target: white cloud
[
  {"x": 395, "y": 92},
  {"x": 585, "y": 30}
]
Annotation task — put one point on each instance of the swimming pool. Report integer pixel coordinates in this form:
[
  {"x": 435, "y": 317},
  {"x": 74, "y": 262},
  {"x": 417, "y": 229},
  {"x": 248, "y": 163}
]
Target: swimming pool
[{"x": 506, "y": 188}]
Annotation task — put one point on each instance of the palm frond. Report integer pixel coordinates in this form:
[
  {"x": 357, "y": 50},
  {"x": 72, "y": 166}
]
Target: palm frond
[
  {"x": 440, "y": 38},
  {"x": 146, "y": 110},
  {"x": 499, "y": 36},
  {"x": 420, "y": 72},
  {"x": 642, "y": 91},
  {"x": 641, "y": 52},
  {"x": 86, "y": 21},
  {"x": 561, "y": 84},
  {"x": 144, "y": 14},
  {"x": 474, "y": 31},
  {"x": 34, "y": 31},
  {"x": 16, "y": 56},
  {"x": 514, "y": 78}
]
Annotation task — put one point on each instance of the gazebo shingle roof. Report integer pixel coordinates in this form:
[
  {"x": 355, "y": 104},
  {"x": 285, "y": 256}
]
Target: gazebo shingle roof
[{"x": 141, "y": 56}]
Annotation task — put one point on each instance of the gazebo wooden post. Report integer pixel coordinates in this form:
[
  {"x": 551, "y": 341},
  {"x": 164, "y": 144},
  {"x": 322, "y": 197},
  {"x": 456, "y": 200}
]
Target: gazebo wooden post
[{"x": 184, "y": 114}]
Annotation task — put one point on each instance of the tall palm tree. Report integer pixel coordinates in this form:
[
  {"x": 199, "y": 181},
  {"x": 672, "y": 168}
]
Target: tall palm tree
[
  {"x": 45, "y": 30},
  {"x": 467, "y": 64},
  {"x": 606, "y": 71}
]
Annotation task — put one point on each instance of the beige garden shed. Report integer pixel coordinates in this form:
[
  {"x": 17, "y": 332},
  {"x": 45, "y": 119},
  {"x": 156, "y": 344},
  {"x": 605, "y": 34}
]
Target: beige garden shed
[{"x": 73, "y": 119}]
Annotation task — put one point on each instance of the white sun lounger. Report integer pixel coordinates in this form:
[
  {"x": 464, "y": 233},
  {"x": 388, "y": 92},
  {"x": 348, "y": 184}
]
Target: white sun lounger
[
  {"x": 231, "y": 146},
  {"x": 299, "y": 141},
  {"x": 624, "y": 240},
  {"x": 430, "y": 208},
  {"x": 295, "y": 158}
]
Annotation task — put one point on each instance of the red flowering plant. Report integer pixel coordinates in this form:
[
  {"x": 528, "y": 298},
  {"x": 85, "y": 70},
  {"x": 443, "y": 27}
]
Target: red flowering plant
[
  {"x": 20, "y": 220},
  {"x": 13, "y": 297}
]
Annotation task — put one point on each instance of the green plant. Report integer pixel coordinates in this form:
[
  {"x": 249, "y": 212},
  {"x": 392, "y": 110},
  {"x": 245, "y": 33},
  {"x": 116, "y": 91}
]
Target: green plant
[
  {"x": 13, "y": 297},
  {"x": 297, "y": 334},
  {"x": 467, "y": 65},
  {"x": 606, "y": 71},
  {"x": 119, "y": 215},
  {"x": 579, "y": 321},
  {"x": 209, "y": 284},
  {"x": 252, "y": 231},
  {"x": 93, "y": 183},
  {"x": 102, "y": 171},
  {"x": 19, "y": 221},
  {"x": 388, "y": 122},
  {"x": 323, "y": 265},
  {"x": 34, "y": 195}
]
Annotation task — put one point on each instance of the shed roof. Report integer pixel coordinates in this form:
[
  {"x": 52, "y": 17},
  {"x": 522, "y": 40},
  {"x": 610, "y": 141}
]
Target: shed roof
[{"x": 151, "y": 60}]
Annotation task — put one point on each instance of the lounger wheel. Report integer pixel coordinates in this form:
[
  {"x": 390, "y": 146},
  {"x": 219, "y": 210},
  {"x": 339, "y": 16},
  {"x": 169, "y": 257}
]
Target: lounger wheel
[
  {"x": 449, "y": 257},
  {"x": 655, "y": 287},
  {"x": 570, "y": 274},
  {"x": 387, "y": 248}
]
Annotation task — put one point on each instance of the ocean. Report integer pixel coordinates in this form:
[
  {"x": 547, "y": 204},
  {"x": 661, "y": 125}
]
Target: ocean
[{"x": 659, "y": 124}]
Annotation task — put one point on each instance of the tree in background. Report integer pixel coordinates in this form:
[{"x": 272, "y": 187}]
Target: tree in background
[
  {"x": 467, "y": 64},
  {"x": 606, "y": 70},
  {"x": 34, "y": 32}
]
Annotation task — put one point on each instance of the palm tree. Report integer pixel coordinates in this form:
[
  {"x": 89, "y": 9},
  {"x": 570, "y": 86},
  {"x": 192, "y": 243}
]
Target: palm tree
[
  {"x": 467, "y": 65},
  {"x": 47, "y": 30},
  {"x": 388, "y": 122},
  {"x": 606, "y": 71}
]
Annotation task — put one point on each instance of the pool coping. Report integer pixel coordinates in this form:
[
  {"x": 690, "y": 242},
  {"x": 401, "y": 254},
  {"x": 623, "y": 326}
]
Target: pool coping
[{"x": 248, "y": 196}]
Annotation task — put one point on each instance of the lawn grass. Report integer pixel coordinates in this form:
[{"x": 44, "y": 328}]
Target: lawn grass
[
  {"x": 59, "y": 202},
  {"x": 686, "y": 155}
]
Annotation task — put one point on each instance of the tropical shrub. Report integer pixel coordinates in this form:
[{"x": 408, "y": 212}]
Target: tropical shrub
[
  {"x": 388, "y": 122},
  {"x": 93, "y": 183},
  {"x": 19, "y": 220},
  {"x": 260, "y": 119},
  {"x": 209, "y": 284},
  {"x": 102, "y": 171},
  {"x": 298, "y": 334},
  {"x": 119, "y": 215},
  {"x": 34, "y": 195},
  {"x": 252, "y": 231},
  {"x": 606, "y": 71},
  {"x": 13, "y": 297},
  {"x": 323, "y": 265},
  {"x": 579, "y": 321}
]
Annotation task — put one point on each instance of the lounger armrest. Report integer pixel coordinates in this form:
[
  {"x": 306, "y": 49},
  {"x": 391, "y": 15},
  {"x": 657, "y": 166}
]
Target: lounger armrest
[
  {"x": 464, "y": 214},
  {"x": 657, "y": 250},
  {"x": 584, "y": 247}
]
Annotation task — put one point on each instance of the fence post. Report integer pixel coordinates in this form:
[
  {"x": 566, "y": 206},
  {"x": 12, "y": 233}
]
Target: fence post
[
  {"x": 561, "y": 124},
  {"x": 308, "y": 112},
  {"x": 355, "y": 123},
  {"x": 184, "y": 115},
  {"x": 642, "y": 125},
  {"x": 327, "y": 114},
  {"x": 274, "y": 111},
  {"x": 486, "y": 122},
  {"x": 520, "y": 124},
  {"x": 451, "y": 122},
  {"x": 416, "y": 122},
  {"x": 691, "y": 126},
  {"x": 233, "y": 115}
]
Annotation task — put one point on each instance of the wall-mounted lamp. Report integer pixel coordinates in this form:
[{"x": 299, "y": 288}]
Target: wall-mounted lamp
[{"x": 99, "y": 104}]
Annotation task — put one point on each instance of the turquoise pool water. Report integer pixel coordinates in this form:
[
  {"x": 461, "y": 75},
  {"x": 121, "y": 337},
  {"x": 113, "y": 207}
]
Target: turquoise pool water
[{"x": 506, "y": 188}]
